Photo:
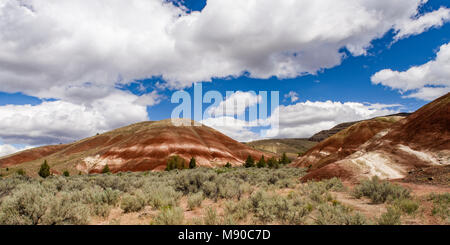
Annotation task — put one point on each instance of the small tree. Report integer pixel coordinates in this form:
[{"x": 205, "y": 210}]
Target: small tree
[
  {"x": 106, "y": 169},
  {"x": 175, "y": 162},
  {"x": 261, "y": 163},
  {"x": 21, "y": 172},
  {"x": 228, "y": 165},
  {"x": 66, "y": 173},
  {"x": 192, "y": 163},
  {"x": 249, "y": 163},
  {"x": 284, "y": 159},
  {"x": 272, "y": 163},
  {"x": 44, "y": 171}
]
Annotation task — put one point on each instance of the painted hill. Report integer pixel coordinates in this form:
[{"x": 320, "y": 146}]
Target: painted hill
[
  {"x": 391, "y": 150},
  {"x": 292, "y": 147},
  {"x": 324, "y": 134},
  {"x": 138, "y": 147}
]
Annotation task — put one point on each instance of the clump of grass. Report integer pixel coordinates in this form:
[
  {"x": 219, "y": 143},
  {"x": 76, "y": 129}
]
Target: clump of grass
[
  {"x": 195, "y": 200},
  {"x": 380, "y": 191},
  {"x": 338, "y": 214},
  {"x": 391, "y": 217},
  {"x": 407, "y": 206},
  {"x": 169, "y": 216},
  {"x": 441, "y": 205},
  {"x": 210, "y": 217}
]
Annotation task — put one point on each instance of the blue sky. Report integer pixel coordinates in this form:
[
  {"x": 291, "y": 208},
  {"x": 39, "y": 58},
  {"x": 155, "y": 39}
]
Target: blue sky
[{"x": 349, "y": 81}]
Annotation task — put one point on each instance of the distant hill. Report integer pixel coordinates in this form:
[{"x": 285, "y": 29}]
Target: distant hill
[
  {"x": 292, "y": 147},
  {"x": 138, "y": 147},
  {"x": 324, "y": 134}
]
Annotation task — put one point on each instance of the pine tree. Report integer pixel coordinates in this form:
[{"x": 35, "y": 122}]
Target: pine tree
[
  {"x": 284, "y": 159},
  {"x": 249, "y": 163},
  {"x": 66, "y": 173},
  {"x": 261, "y": 163},
  {"x": 106, "y": 169},
  {"x": 228, "y": 165},
  {"x": 192, "y": 163},
  {"x": 44, "y": 171}
]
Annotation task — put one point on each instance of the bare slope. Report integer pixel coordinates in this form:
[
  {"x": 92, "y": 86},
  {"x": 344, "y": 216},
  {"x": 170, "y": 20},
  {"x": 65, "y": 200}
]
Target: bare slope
[{"x": 292, "y": 147}]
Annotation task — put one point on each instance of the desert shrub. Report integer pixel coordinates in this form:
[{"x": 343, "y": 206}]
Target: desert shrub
[
  {"x": 62, "y": 211},
  {"x": 44, "y": 171},
  {"x": 391, "y": 217},
  {"x": 169, "y": 216},
  {"x": 338, "y": 215},
  {"x": 161, "y": 196},
  {"x": 239, "y": 210},
  {"x": 175, "y": 162},
  {"x": 407, "y": 206},
  {"x": 133, "y": 203},
  {"x": 101, "y": 210},
  {"x": 380, "y": 191},
  {"x": 193, "y": 181},
  {"x": 195, "y": 200},
  {"x": 334, "y": 184},
  {"x": 441, "y": 205},
  {"x": 210, "y": 217},
  {"x": 25, "y": 206}
]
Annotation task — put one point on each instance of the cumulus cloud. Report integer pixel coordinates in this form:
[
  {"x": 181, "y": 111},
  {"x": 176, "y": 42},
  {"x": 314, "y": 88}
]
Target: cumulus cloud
[
  {"x": 54, "y": 122},
  {"x": 292, "y": 95},
  {"x": 300, "y": 120},
  {"x": 236, "y": 104},
  {"x": 429, "y": 20},
  {"x": 6, "y": 149},
  {"x": 307, "y": 118},
  {"x": 55, "y": 45},
  {"x": 426, "y": 82}
]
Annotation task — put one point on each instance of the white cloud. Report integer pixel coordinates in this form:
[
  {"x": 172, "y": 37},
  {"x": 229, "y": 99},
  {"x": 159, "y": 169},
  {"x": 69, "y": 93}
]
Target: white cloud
[
  {"x": 236, "y": 104},
  {"x": 307, "y": 118},
  {"x": 292, "y": 95},
  {"x": 426, "y": 82},
  {"x": 429, "y": 20},
  {"x": 6, "y": 149},
  {"x": 239, "y": 130},
  {"x": 301, "y": 120},
  {"x": 50, "y": 46},
  {"x": 55, "y": 122}
]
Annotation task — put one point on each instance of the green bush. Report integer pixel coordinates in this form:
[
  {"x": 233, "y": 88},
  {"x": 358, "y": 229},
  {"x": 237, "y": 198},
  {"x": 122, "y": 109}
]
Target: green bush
[
  {"x": 169, "y": 216},
  {"x": 391, "y": 217},
  {"x": 380, "y": 191},
  {"x": 66, "y": 173},
  {"x": 273, "y": 163},
  {"x": 175, "y": 162},
  {"x": 21, "y": 172},
  {"x": 228, "y": 165},
  {"x": 44, "y": 171}
]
